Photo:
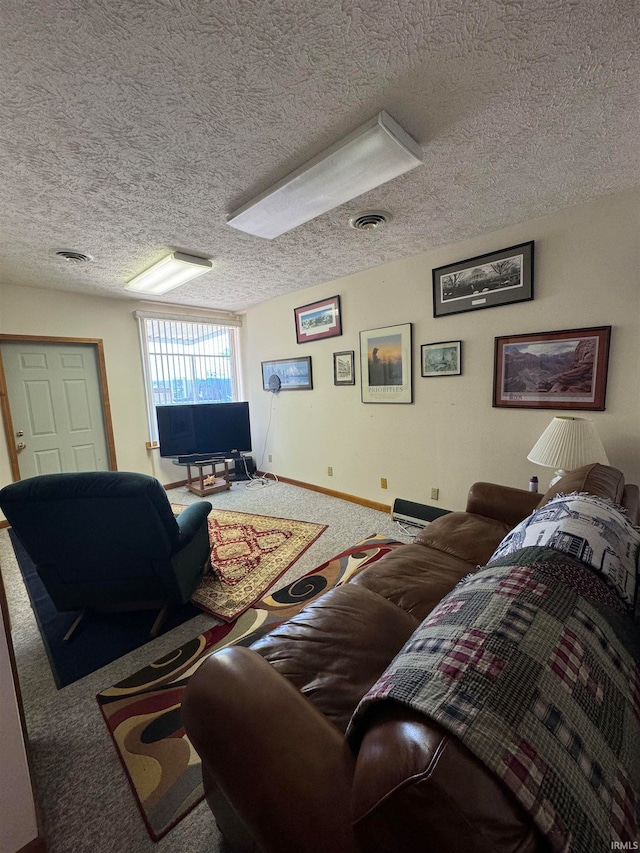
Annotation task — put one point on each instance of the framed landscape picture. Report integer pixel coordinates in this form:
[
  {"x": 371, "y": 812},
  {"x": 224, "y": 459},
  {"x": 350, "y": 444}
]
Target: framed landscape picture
[
  {"x": 498, "y": 278},
  {"x": 344, "y": 368},
  {"x": 552, "y": 370},
  {"x": 441, "y": 359},
  {"x": 318, "y": 320},
  {"x": 287, "y": 374},
  {"x": 385, "y": 364}
]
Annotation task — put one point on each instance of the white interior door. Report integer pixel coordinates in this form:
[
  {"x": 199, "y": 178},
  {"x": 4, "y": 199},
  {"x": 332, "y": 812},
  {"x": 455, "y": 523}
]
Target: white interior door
[{"x": 55, "y": 400}]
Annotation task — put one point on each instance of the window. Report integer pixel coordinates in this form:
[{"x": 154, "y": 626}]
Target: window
[{"x": 187, "y": 361}]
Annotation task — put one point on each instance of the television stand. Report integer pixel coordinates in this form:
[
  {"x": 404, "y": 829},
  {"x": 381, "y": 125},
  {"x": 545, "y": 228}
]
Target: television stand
[{"x": 206, "y": 484}]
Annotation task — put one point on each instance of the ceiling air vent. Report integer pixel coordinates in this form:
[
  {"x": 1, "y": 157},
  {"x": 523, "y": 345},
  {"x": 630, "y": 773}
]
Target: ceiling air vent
[
  {"x": 369, "y": 220},
  {"x": 75, "y": 257}
]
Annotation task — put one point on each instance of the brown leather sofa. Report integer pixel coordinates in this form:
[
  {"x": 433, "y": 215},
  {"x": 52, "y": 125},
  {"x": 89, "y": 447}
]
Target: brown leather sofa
[{"x": 269, "y": 721}]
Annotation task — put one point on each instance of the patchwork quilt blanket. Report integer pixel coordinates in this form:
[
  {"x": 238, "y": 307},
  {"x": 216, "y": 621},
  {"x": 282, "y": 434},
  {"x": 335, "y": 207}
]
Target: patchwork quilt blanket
[{"x": 530, "y": 665}]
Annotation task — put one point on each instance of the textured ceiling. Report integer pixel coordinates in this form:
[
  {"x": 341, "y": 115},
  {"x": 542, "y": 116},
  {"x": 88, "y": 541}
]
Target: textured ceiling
[{"x": 130, "y": 129}]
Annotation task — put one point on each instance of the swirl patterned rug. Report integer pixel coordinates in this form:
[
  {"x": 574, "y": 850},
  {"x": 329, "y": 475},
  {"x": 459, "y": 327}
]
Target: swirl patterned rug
[
  {"x": 142, "y": 712},
  {"x": 248, "y": 554}
]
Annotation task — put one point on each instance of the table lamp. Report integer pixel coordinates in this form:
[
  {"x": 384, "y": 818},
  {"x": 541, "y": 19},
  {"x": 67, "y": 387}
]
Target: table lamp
[{"x": 568, "y": 443}]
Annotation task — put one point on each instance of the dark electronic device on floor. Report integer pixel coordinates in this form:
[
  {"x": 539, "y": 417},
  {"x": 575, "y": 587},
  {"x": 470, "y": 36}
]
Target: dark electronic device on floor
[{"x": 244, "y": 468}]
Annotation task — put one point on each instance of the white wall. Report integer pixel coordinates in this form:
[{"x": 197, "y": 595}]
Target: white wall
[
  {"x": 27, "y": 311},
  {"x": 586, "y": 274},
  {"x": 18, "y": 824},
  {"x": 31, "y": 311}
]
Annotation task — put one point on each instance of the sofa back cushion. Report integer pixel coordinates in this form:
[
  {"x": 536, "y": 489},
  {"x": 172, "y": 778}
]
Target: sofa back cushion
[
  {"x": 465, "y": 535},
  {"x": 595, "y": 479},
  {"x": 93, "y": 526},
  {"x": 413, "y": 577},
  {"x": 335, "y": 649}
]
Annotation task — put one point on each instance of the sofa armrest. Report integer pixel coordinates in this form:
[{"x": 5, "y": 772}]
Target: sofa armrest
[
  {"x": 503, "y": 503},
  {"x": 191, "y": 519},
  {"x": 283, "y": 766},
  {"x": 416, "y": 788}
]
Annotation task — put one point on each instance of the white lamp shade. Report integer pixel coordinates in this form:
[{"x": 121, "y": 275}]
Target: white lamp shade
[
  {"x": 568, "y": 443},
  {"x": 373, "y": 154},
  {"x": 168, "y": 273}
]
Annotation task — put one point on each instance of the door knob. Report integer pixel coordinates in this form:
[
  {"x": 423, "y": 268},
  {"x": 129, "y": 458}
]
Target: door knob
[{"x": 21, "y": 446}]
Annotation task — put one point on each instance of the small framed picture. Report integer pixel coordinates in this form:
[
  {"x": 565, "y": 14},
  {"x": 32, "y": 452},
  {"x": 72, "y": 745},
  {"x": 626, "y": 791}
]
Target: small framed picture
[
  {"x": 441, "y": 359},
  {"x": 497, "y": 278},
  {"x": 318, "y": 320},
  {"x": 385, "y": 365},
  {"x": 344, "y": 368},
  {"x": 565, "y": 369},
  {"x": 287, "y": 374}
]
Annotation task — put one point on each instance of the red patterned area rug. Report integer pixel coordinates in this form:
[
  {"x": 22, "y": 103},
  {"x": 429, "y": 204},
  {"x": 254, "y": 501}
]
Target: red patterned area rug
[
  {"x": 142, "y": 712},
  {"x": 248, "y": 554}
]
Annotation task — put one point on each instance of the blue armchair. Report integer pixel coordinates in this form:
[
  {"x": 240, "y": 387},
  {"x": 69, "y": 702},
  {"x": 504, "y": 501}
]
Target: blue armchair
[{"x": 108, "y": 540}]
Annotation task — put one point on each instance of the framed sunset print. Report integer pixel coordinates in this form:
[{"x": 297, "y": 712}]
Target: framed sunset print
[{"x": 385, "y": 364}]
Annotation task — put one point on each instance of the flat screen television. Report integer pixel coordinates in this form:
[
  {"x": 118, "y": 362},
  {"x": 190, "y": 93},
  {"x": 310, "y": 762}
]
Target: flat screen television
[{"x": 204, "y": 431}]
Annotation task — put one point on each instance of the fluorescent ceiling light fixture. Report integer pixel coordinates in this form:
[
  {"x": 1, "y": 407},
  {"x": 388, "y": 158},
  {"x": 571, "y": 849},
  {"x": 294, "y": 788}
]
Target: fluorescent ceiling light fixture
[
  {"x": 373, "y": 154},
  {"x": 168, "y": 273}
]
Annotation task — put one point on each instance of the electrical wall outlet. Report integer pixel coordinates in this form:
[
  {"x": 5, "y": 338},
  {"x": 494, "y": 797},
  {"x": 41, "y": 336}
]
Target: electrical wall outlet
[
  {"x": 270, "y": 458},
  {"x": 435, "y": 493},
  {"x": 383, "y": 482},
  {"x": 330, "y": 471}
]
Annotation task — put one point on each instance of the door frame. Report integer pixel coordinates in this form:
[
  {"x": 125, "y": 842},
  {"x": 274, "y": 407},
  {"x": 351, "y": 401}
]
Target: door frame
[{"x": 5, "y": 408}]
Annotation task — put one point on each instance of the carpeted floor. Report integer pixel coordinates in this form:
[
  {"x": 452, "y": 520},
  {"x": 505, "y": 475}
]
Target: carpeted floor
[
  {"x": 141, "y": 711},
  {"x": 250, "y": 553},
  {"x": 101, "y": 637},
  {"x": 83, "y": 793}
]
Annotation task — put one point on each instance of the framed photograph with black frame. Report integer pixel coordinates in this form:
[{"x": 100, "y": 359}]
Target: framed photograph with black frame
[
  {"x": 292, "y": 374},
  {"x": 318, "y": 320},
  {"x": 565, "y": 369},
  {"x": 497, "y": 278},
  {"x": 344, "y": 372},
  {"x": 385, "y": 364},
  {"x": 441, "y": 359}
]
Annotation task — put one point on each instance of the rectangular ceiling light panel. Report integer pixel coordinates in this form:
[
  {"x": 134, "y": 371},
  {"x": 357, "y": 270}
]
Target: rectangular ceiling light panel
[
  {"x": 168, "y": 273},
  {"x": 375, "y": 153}
]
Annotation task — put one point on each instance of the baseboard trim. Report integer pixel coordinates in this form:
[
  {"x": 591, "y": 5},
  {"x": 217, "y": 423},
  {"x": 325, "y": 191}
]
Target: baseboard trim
[
  {"x": 354, "y": 499},
  {"x": 38, "y": 845},
  {"x": 177, "y": 485}
]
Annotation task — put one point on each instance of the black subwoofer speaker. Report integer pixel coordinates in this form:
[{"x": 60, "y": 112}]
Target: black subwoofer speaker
[{"x": 244, "y": 468}]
